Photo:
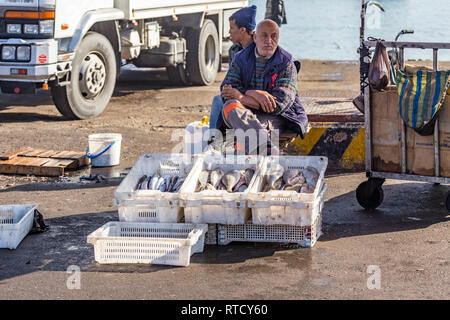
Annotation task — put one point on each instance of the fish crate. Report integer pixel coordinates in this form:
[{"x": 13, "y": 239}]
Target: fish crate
[
  {"x": 16, "y": 221},
  {"x": 217, "y": 206},
  {"x": 152, "y": 205},
  {"x": 305, "y": 236},
  {"x": 147, "y": 243},
  {"x": 282, "y": 207}
]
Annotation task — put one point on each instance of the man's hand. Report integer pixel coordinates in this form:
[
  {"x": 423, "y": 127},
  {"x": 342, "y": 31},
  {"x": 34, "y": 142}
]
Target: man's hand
[
  {"x": 265, "y": 100},
  {"x": 228, "y": 92}
]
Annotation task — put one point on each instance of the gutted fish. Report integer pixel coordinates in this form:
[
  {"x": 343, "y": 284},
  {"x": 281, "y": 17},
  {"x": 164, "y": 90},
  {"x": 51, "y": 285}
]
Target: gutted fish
[
  {"x": 295, "y": 187},
  {"x": 274, "y": 174},
  {"x": 307, "y": 188},
  {"x": 249, "y": 175},
  {"x": 202, "y": 181},
  {"x": 242, "y": 188},
  {"x": 209, "y": 186},
  {"x": 312, "y": 175},
  {"x": 216, "y": 177},
  {"x": 231, "y": 179}
]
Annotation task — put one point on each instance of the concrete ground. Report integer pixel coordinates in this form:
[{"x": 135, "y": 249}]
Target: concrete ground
[{"x": 399, "y": 251}]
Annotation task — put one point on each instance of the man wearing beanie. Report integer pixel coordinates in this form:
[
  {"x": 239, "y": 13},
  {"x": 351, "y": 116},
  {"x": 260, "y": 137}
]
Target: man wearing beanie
[
  {"x": 242, "y": 26},
  {"x": 261, "y": 93}
]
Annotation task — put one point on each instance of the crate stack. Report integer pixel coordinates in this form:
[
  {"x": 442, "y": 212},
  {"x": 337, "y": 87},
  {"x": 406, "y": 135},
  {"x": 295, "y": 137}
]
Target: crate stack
[
  {"x": 167, "y": 228},
  {"x": 150, "y": 227},
  {"x": 281, "y": 216}
]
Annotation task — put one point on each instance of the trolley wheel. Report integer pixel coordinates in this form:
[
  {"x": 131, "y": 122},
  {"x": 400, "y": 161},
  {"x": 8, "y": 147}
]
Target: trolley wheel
[
  {"x": 369, "y": 196},
  {"x": 447, "y": 202}
]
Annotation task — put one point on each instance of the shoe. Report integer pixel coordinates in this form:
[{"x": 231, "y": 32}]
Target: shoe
[{"x": 358, "y": 102}]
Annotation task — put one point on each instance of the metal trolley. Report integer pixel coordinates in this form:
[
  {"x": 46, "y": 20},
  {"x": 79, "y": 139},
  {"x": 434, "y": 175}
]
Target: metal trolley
[{"x": 370, "y": 193}]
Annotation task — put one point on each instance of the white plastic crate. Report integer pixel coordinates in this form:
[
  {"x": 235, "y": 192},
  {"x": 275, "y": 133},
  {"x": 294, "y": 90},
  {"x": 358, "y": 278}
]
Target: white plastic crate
[
  {"x": 152, "y": 243},
  {"x": 305, "y": 236},
  {"x": 16, "y": 221},
  {"x": 280, "y": 207},
  {"x": 217, "y": 206},
  {"x": 211, "y": 235},
  {"x": 152, "y": 205}
]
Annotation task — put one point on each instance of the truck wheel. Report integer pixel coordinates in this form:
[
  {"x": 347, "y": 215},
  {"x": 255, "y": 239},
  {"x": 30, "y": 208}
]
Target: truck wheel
[
  {"x": 203, "y": 53},
  {"x": 92, "y": 80},
  {"x": 177, "y": 75}
]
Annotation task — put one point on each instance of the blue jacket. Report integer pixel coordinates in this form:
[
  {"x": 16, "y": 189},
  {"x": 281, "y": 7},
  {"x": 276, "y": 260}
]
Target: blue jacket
[{"x": 281, "y": 59}]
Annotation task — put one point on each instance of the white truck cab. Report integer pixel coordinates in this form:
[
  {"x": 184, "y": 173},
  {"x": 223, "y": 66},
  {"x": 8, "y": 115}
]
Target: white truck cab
[{"x": 76, "y": 48}]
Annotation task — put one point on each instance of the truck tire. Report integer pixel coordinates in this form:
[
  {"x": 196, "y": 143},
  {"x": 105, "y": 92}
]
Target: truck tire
[
  {"x": 92, "y": 80},
  {"x": 203, "y": 53}
]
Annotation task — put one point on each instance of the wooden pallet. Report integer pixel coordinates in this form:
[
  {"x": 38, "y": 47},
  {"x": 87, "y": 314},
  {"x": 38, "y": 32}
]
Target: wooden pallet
[{"x": 51, "y": 163}]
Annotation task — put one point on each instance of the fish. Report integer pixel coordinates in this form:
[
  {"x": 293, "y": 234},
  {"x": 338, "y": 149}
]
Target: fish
[
  {"x": 298, "y": 179},
  {"x": 163, "y": 185},
  {"x": 242, "y": 180},
  {"x": 273, "y": 174},
  {"x": 278, "y": 185},
  {"x": 295, "y": 187},
  {"x": 311, "y": 175},
  {"x": 153, "y": 182},
  {"x": 307, "y": 188},
  {"x": 215, "y": 177},
  {"x": 159, "y": 183},
  {"x": 138, "y": 185},
  {"x": 242, "y": 188},
  {"x": 172, "y": 183},
  {"x": 178, "y": 184},
  {"x": 202, "y": 181},
  {"x": 289, "y": 175},
  {"x": 209, "y": 186},
  {"x": 231, "y": 179},
  {"x": 144, "y": 183},
  {"x": 249, "y": 174}
]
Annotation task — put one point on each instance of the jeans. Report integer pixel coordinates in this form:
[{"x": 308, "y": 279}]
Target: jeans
[{"x": 215, "y": 118}]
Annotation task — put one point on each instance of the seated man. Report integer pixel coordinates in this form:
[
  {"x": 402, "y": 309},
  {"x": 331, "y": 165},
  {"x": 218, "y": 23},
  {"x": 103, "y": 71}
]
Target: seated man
[
  {"x": 260, "y": 90},
  {"x": 242, "y": 26}
]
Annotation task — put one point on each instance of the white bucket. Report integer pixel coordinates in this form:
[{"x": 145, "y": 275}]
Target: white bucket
[
  {"x": 196, "y": 137},
  {"x": 104, "y": 149}
]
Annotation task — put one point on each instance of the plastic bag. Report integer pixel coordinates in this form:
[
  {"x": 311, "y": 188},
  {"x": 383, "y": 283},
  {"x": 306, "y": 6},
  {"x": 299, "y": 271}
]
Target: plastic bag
[{"x": 379, "y": 68}]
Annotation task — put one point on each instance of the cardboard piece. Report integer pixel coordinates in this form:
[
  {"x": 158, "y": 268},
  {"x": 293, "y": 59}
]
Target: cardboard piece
[{"x": 386, "y": 138}]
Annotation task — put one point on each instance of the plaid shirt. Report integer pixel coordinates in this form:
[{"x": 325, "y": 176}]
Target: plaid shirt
[{"x": 285, "y": 85}]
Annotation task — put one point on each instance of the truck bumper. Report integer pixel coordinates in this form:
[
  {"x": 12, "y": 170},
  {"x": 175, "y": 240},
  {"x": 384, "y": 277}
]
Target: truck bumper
[{"x": 45, "y": 63}]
